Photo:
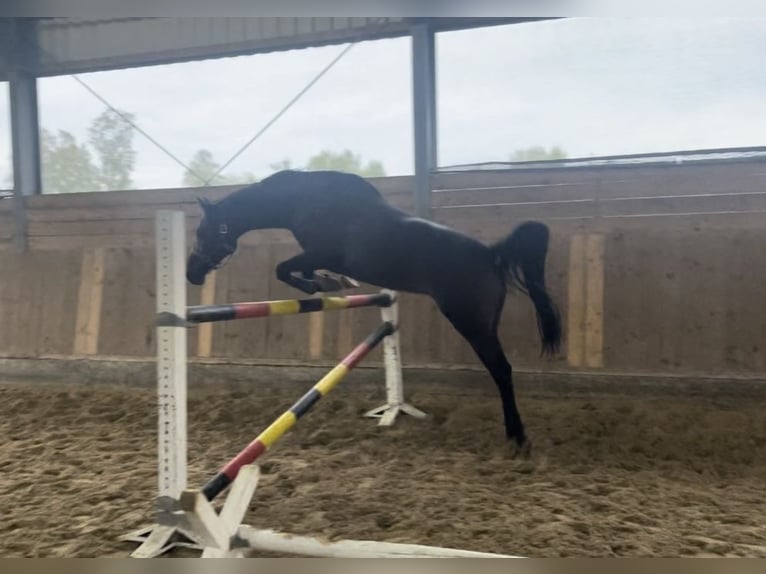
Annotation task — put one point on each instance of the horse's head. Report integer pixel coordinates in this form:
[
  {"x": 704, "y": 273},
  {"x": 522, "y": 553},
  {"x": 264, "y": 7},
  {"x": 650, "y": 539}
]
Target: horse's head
[{"x": 215, "y": 243}]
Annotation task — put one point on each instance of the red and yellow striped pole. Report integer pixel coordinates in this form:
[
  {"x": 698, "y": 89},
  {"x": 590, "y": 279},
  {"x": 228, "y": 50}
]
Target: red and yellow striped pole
[
  {"x": 211, "y": 313},
  {"x": 281, "y": 425}
]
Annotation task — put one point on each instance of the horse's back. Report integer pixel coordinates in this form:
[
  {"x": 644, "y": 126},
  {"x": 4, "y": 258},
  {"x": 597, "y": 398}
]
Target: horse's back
[
  {"x": 326, "y": 207},
  {"x": 343, "y": 220},
  {"x": 323, "y": 186},
  {"x": 413, "y": 254}
]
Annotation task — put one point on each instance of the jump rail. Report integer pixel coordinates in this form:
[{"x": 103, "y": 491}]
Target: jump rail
[
  {"x": 208, "y": 314},
  {"x": 281, "y": 425},
  {"x": 232, "y": 311},
  {"x": 185, "y": 517}
]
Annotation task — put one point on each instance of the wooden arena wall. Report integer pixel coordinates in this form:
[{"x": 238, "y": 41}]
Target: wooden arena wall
[{"x": 655, "y": 269}]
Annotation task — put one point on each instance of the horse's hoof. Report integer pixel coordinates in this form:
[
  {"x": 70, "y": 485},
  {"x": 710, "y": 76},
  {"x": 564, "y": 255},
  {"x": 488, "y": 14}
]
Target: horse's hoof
[
  {"x": 348, "y": 282},
  {"x": 525, "y": 449},
  {"x": 333, "y": 282},
  {"x": 325, "y": 283},
  {"x": 521, "y": 449}
]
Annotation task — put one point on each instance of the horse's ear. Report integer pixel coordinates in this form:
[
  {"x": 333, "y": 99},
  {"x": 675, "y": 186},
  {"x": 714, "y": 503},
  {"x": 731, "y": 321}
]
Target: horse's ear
[{"x": 204, "y": 203}]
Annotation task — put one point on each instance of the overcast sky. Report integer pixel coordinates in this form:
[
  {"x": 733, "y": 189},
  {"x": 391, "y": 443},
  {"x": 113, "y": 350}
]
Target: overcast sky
[{"x": 592, "y": 86}]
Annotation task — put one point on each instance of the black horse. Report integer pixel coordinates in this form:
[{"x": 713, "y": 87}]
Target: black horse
[{"x": 345, "y": 226}]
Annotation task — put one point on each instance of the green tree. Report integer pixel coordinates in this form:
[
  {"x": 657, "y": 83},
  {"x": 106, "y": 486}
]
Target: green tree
[
  {"x": 345, "y": 161},
  {"x": 112, "y": 139},
  {"x": 67, "y": 166},
  {"x": 281, "y": 165},
  {"x": 538, "y": 153},
  {"x": 203, "y": 168}
]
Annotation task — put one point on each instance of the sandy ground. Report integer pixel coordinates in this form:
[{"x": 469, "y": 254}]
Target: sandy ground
[{"x": 610, "y": 475}]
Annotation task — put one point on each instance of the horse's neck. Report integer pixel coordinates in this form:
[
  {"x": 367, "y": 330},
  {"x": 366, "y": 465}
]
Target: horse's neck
[{"x": 258, "y": 209}]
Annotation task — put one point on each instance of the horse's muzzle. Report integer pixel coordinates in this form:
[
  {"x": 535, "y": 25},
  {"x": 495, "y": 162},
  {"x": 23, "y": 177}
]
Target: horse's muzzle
[
  {"x": 196, "y": 270},
  {"x": 195, "y": 279}
]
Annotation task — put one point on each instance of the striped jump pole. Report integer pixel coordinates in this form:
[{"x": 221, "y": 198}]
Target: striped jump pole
[
  {"x": 285, "y": 422},
  {"x": 212, "y": 313}
]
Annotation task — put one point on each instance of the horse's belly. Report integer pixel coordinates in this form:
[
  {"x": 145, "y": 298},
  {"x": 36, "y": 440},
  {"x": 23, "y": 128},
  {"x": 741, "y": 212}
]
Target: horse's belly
[
  {"x": 400, "y": 254},
  {"x": 391, "y": 269}
]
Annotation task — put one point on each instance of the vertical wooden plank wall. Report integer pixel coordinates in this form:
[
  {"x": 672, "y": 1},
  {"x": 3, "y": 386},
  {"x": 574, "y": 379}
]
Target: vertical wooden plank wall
[
  {"x": 662, "y": 273},
  {"x": 89, "y": 301}
]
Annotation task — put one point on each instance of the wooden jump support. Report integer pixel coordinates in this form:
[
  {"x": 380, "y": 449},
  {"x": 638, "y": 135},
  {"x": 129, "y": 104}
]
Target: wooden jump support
[{"x": 186, "y": 518}]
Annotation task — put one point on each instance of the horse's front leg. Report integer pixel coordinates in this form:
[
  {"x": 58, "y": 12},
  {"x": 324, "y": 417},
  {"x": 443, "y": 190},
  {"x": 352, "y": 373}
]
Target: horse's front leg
[{"x": 298, "y": 264}]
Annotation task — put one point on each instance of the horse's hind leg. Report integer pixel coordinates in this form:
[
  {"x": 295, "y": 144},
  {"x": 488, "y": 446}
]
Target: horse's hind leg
[
  {"x": 491, "y": 354},
  {"x": 480, "y": 330}
]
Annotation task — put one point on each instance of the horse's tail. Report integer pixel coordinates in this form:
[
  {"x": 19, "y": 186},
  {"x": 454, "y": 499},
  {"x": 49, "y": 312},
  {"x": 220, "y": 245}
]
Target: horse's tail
[{"x": 522, "y": 257}]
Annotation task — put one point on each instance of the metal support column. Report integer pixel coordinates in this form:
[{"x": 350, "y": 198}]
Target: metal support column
[
  {"x": 424, "y": 113},
  {"x": 25, "y": 134}
]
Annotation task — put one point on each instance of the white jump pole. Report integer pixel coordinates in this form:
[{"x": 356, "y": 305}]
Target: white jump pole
[
  {"x": 171, "y": 355},
  {"x": 170, "y": 233}
]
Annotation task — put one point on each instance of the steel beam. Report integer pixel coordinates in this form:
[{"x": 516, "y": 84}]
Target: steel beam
[
  {"x": 424, "y": 113},
  {"x": 25, "y": 134}
]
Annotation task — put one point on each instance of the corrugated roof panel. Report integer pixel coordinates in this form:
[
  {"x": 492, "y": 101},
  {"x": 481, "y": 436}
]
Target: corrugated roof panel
[
  {"x": 322, "y": 24},
  {"x": 82, "y": 45},
  {"x": 361, "y": 22},
  {"x": 304, "y": 26}
]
